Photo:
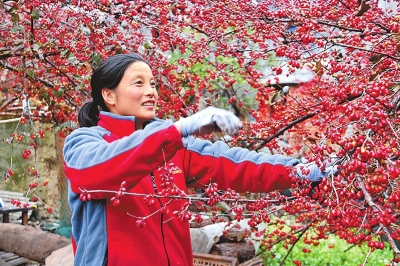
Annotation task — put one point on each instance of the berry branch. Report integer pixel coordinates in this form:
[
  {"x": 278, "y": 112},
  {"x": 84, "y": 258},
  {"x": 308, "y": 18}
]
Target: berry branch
[{"x": 372, "y": 204}]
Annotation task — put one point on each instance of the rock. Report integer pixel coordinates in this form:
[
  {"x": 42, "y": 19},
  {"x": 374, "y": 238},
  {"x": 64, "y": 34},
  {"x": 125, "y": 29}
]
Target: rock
[
  {"x": 233, "y": 234},
  {"x": 61, "y": 257},
  {"x": 29, "y": 242},
  {"x": 205, "y": 237},
  {"x": 242, "y": 251}
]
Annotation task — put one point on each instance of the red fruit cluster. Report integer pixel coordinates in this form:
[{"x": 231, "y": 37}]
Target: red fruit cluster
[
  {"x": 197, "y": 218},
  {"x": 85, "y": 196},
  {"x": 16, "y": 202},
  {"x": 238, "y": 210},
  {"x": 149, "y": 199},
  {"x": 141, "y": 223},
  {"x": 10, "y": 172},
  {"x": 33, "y": 171},
  {"x": 41, "y": 134},
  {"x": 258, "y": 218},
  {"x": 19, "y": 138},
  {"x": 33, "y": 185},
  {"x": 116, "y": 199},
  {"x": 212, "y": 192},
  {"x": 376, "y": 244},
  {"x": 168, "y": 188},
  {"x": 349, "y": 108},
  {"x": 26, "y": 154},
  {"x": 46, "y": 182},
  {"x": 183, "y": 215},
  {"x": 386, "y": 217},
  {"x": 376, "y": 183}
]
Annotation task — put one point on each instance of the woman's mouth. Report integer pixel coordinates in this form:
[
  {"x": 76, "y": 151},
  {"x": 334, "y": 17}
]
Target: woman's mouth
[{"x": 148, "y": 104}]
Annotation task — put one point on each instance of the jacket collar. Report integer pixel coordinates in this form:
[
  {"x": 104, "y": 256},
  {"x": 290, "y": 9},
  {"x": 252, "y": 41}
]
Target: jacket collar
[{"x": 118, "y": 125}]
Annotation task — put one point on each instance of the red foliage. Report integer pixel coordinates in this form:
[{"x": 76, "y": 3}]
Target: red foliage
[{"x": 347, "y": 109}]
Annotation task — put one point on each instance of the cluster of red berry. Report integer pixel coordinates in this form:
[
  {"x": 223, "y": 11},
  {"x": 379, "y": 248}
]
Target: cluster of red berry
[
  {"x": 26, "y": 154},
  {"x": 116, "y": 199}
]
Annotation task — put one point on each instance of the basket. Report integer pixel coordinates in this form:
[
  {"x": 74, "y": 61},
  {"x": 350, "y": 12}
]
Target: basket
[{"x": 201, "y": 259}]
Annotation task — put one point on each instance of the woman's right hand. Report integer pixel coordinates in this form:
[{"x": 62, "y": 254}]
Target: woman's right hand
[{"x": 208, "y": 120}]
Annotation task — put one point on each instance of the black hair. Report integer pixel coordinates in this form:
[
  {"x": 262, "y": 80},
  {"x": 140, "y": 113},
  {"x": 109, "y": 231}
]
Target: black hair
[{"x": 107, "y": 75}]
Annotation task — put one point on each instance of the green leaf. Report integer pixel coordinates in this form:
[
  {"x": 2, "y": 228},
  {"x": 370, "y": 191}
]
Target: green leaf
[
  {"x": 68, "y": 124},
  {"x": 14, "y": 17},
  {"x": 118, "y": 49},
  {"x": 35, "y": 14},
  {"x": 146, "y": 45},
  {"x": 59, "y": 92},
  {"x": 95, "y": 59},
  {"x": 30, "y": 73},
  {"x": 64, "y": 52},
  {"x": 275, "y": 97},
  {"x": 73, "y": 60},
  {"x": 44, "y": 95}
]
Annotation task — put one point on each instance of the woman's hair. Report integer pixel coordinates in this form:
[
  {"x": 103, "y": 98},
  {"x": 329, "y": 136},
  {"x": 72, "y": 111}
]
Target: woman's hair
[{"x": 107, "y": 75}]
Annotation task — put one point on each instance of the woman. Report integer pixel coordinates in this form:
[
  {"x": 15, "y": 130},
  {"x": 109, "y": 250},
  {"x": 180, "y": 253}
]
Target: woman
[{"x": 125, "y": 144}]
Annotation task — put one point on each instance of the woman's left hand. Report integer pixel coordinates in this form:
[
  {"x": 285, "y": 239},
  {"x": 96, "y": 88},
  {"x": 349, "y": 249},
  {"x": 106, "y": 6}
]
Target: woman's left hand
[{"x": 312, "y": 172}]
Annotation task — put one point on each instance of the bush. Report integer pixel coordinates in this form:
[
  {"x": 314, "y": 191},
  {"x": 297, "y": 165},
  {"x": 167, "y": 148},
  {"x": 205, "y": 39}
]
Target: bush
[{"x": 331, "y": 251}]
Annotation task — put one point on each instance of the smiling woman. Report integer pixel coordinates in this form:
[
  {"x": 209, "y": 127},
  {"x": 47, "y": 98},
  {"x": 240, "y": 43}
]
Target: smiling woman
[
  {"x": 121, "y": 146},
  {"x": 121, "y": 85},
  {"x": 135, "y": 95}
]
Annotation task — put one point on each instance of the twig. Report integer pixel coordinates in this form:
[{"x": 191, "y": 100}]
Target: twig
[
  {"x": 366, "y": 257},
  {"x": 372, "y": 204},
  {"x": 297, "y": 240},
  {"x": 180, "y": 197}
]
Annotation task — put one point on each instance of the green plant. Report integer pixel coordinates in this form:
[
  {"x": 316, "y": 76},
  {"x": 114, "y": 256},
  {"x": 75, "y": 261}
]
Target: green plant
[{"x": 331, "y": 251}]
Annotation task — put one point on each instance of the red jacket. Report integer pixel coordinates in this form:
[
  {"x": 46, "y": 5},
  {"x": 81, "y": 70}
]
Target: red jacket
[{"x": 100, "y": 158}]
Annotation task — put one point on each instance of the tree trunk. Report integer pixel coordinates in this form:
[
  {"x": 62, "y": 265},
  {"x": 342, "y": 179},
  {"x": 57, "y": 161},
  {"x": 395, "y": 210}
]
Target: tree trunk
[
  {"x": 242, "y": 250},
  {"x": 30, "y": 242},
  {"x": 64, "y": 209}
]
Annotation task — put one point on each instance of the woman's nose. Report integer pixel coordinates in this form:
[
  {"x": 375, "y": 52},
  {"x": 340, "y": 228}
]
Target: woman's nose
[{"x": 150, "y": 93}]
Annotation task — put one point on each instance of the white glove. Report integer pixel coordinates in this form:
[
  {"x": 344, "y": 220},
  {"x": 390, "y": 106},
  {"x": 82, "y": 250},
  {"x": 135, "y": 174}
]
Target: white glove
[
  {"x": 313, "y": 173},
  {"x": 208, "y": 120}
]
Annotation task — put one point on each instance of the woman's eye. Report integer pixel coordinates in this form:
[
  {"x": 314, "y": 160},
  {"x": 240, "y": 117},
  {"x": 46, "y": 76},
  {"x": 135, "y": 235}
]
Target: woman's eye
[{"x": 139, "y": 82}]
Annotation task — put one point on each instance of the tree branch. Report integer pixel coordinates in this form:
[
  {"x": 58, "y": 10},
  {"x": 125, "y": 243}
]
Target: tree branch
[
  {"x": 297, "y": 240},
  {"x": 372, "y": 204},
  {"x": 366, "y": 50},
  {"x": 7, "y": 103}
]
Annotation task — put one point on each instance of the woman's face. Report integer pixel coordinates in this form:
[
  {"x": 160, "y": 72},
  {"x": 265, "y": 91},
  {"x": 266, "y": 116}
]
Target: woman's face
[{"x": 135, "y": 95}]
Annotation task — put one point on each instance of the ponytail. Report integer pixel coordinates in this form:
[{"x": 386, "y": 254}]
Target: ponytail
[{"x": 88, "y": 115}]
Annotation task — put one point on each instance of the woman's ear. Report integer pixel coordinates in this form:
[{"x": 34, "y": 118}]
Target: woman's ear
[{"x": 108, "y": 96}]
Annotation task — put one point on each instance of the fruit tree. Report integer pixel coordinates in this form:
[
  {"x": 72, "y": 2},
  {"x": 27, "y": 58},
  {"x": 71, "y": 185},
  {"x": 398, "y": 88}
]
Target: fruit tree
[{"x": 241, "y": 55}]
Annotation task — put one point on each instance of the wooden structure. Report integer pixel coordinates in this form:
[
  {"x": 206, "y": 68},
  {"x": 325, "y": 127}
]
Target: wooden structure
[
  {"x": 11, "y": 208},
  {"x": 8, "y": 208},
  {"x": 201, "y": 259},
  {"x": 11, "y": 259}
]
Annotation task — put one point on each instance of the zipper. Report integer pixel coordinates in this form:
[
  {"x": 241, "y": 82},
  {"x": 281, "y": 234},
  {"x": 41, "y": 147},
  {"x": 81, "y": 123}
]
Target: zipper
[{"x": 162, "y": 216}]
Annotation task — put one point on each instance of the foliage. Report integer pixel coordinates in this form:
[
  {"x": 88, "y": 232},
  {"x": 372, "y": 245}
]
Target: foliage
[
  {"x": 325, "y": 74},
  {"x": 12, "y": 159},
  {"x": 222, "y": 94},
  {"x": 331, "y": 251},
  {"x": 307, "y": 247},
  {"x": 23, "y": 168}
]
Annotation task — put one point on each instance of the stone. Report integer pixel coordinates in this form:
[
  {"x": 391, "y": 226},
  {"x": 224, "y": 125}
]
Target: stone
[
  {"x": 30, "y": 242},
  {"x": 61, "y": 257}
]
